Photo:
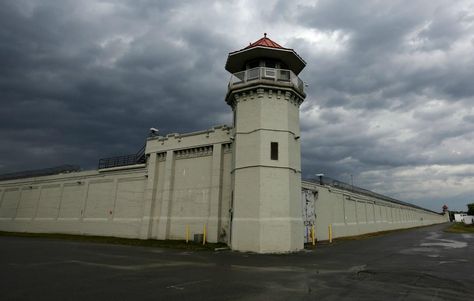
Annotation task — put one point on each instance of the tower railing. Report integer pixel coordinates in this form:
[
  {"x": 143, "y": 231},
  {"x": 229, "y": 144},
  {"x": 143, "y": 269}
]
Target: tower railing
[{"x": 266, "y": 74}]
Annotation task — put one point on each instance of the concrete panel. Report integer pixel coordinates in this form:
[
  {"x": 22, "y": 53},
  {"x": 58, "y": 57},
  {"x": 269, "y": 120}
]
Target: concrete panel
[
  {"x": 28, "y": 202},
  {"x": 387, "y": 218},
  {"x": 10, "y": 200},
  {"x": 129, "y": 201},
  {"x": 72, "y": 202},
  {"x": 370, "y": 207},
  {"x": 49, "y": 201},
  {"x": 378, "y": 213},
  {"x": 338, "y": 211},
  {"x": 351, "y": 211},
  {"x": 191, "y": 195},
  {"x": 361, "y": 213},
  {"x": 100, "y": 202}
]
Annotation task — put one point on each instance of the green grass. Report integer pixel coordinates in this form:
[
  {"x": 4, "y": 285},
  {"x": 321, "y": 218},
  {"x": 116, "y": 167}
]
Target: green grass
[
  {"x": 173, "y": 244},
  {"x": 460, "y": 228},
  {"x": 360, "y": 236}
]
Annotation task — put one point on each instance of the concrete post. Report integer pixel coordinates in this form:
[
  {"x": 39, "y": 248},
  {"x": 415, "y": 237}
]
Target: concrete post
[
  {"x": 61, "y": 196},
  {"x": 215, "y": 194},
  {"x": 149, "y": 197},
  {"x": 37, "y": 202},
  {"x": 114, "y": 199},
  {"x": 85, "y": 194},
  {"x": 18, "y": 203},
  {"x": 164, "y": 219}
]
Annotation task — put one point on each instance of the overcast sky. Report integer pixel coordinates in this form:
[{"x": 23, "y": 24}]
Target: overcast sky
[{"x": 390, "y": 96}]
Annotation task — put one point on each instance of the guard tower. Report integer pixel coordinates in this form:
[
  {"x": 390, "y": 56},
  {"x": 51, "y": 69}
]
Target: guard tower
[{"x": 265, "y": 94}]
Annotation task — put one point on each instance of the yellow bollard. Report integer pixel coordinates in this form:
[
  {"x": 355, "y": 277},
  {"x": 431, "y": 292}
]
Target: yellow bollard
[
  {"x": 312, "y": 235},
  {"x": 330, "y": 233},
  {"x": 204, "y": 235},
  {"x": 187, "y": 233}
]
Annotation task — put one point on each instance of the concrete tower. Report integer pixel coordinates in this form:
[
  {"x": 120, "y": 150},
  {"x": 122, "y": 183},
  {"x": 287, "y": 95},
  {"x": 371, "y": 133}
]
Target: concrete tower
[{"x": 265, "y": 94}]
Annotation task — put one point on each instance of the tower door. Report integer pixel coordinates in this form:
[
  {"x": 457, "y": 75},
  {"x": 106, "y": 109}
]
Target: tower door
[{"x": 308, "y": 198}]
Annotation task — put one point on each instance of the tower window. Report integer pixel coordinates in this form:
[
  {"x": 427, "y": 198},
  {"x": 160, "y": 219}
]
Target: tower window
[
  {"x": 270, "y": 63},
  {"x": 253, "y": 64},
  {"x": 274, "y": 150}
]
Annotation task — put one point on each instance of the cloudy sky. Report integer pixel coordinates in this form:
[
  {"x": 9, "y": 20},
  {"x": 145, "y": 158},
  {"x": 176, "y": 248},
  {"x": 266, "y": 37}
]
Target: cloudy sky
[{"x": 390, "y": 96}]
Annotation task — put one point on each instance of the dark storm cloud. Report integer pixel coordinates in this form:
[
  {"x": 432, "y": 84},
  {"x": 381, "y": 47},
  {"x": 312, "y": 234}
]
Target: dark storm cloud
[
  {"x": 78, "y": 83},
  {"x": 401, "y": 84},
  {"x": 390, "y": 93}
]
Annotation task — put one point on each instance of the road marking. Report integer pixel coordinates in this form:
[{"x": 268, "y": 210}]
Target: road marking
[
  {"x": 182, "y": 285},
  {"x": 140, "y": 266},
  {"x": 451, "y": 244}
]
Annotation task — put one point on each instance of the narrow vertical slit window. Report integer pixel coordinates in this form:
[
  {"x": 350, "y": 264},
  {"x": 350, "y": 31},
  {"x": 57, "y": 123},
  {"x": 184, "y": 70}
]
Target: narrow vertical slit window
[{"x": 274, "y": 150}]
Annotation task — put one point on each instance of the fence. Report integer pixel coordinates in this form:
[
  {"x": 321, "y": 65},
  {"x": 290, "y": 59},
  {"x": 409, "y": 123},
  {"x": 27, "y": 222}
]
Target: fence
[{"x": 125, "y": 160}]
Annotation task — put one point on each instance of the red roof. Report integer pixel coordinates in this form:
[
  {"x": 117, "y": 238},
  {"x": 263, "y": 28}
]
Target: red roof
[
  {"x": 264, "y": 48},
  {"x": 266, "y": 42}
]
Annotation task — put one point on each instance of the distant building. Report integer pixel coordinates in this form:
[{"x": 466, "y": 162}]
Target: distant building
[
  {"x": 468, "y": 219},
  {"x": 458, "y": 217}
]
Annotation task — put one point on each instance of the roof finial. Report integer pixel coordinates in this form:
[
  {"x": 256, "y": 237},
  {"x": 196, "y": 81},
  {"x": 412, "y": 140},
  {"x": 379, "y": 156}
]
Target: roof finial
[{"x": 264, "y": 34}]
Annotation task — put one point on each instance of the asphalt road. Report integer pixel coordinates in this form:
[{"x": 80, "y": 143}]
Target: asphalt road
[{"x": 419, "y": 264}]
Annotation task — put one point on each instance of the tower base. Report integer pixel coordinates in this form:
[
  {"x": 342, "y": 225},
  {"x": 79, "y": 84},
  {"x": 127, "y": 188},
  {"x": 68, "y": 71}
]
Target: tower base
[{"x": 270, "y": 235}]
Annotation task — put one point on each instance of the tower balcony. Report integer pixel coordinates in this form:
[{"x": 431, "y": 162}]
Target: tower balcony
[{"x": 267, "y": 76}]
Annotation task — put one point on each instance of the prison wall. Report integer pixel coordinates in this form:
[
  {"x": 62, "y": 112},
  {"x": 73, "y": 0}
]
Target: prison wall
[
  {"x": 350, "y": 213},
  {"x": 192, "y": 185},
  {"x": 184, "y": 188},
  {"x": 89, "y": 202}
]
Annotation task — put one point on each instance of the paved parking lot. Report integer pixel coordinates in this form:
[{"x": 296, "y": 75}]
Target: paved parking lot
[{"x": 419, "y": 264}]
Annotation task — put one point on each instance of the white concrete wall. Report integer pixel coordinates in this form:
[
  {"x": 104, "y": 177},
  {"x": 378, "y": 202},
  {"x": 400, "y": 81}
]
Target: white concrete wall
[
  {"x": 90, "y": 202},
  {"x": 197, "y": 196},
  {"x": 352, "y": 214},
  {"x": 458, "y": 217},
  {"x": 191, "y": 186},
  {"x": 186, "y": 182},
  {"x": 468, "y": 219}
]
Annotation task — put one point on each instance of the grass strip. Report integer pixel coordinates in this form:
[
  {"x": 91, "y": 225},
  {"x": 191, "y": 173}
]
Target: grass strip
[
  {"x": 361, "y": 236},
  {"x": 460, "y": 228},
  {"x": 172, "y": 244}
]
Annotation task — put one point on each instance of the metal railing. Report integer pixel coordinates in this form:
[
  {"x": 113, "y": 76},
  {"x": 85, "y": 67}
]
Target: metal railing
[
  {"x": 125, "y": 160},
  {"x": 265, "y": 73}
]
